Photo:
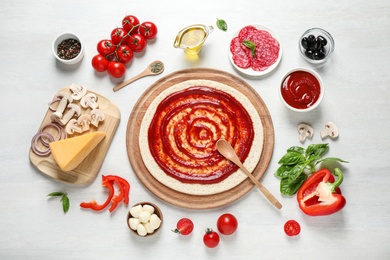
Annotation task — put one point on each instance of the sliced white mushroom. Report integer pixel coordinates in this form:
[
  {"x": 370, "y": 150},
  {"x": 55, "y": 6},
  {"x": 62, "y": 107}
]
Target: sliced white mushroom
[
  {"x": 74, "y": 110},
  {"x": 330, "y": 130},
  {"x": 97, "y": 116},
  {"x": 89, "y": 100},
  {"x": 84, "y": 121},
  {"x": 78, "y": 91},
  {"x": 73, "y": 127},
  {"x": 305, "y": 131},
  {"x": 65, "y": 100}
]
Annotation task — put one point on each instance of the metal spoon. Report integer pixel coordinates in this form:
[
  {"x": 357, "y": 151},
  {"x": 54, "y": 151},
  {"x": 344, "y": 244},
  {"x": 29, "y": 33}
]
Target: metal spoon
[
  {"x": 228, "y": 152},
  {"x": 154, "y": 68}
]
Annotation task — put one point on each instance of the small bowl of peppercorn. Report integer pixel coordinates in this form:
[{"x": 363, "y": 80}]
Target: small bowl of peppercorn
[
  {"x": 316, "y": 46},
  {"x": 68, "y": 49}
]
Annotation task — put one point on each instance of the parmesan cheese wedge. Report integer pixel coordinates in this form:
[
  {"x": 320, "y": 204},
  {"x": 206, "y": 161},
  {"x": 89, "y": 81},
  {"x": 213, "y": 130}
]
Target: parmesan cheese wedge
[{"x": 70, "y": 152}]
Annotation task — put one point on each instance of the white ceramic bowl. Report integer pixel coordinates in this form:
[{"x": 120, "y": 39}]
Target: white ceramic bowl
[
  {"x": 298, "y": 89},
  {"x": 65, "y": 36}
]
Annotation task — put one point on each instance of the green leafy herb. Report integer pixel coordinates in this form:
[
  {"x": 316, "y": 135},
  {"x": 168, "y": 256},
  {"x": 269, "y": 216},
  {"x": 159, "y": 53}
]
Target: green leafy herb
[
  {"x": 222, "y": 25},
  {"x": 251, "y": 46},
  {"x": 64, "y": 199},
  {"x": 298, "y": 163}
]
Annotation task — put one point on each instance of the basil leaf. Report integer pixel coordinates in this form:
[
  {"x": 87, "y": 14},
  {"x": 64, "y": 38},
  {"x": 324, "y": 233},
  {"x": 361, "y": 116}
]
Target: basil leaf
[
  {"x": 292, "y": 158},
  {"x": 296, "y": 149},
  {"x": 222, "y": 25},
  {"x": 295, "y": 172},
  {"x": 56, "y": 193},
  {"x": 283, "y": 171},
  {"x": 251, "y": 46},
  {"x": 65, "y": 203},
  {"x": 331, "y": 159},
  {"x": 316, "y": 150},
  {"x": 292, "y": 188}
]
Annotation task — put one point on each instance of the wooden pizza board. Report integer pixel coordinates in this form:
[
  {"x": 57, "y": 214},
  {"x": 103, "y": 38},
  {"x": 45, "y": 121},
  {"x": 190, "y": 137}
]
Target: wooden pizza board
[
  {"x": 89, "y": 168},
  {"x": 195, "y": 201}
]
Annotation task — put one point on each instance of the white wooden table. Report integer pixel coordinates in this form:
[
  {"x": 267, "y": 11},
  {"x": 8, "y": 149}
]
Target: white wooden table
[{"x": 357, "y": 83}]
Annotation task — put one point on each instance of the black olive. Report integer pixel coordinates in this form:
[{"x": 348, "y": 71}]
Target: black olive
[
  {"x": 322, "y": 39},
  {"x": 309, "y": 53},
  {"x": 311, "y": 37},
  {"x": 318, "y": 55},
  {"x": 304, "y": 42},
  {"x": 317, "y": 45}
]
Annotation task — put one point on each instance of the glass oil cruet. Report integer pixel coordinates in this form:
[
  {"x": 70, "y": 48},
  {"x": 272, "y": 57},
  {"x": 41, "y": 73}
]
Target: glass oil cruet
[{"x": 192, "y": 38}]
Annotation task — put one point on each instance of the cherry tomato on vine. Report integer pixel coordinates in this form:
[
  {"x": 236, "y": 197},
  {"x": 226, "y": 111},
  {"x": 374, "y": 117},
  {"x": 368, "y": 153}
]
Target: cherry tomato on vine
[
  {"x": 119, "y": 36},
  {"x": 136, "y": 42},
  {"x": 227, "y": 224},
  {"x": 148, "y": 30},
  {"x": 99, "y": 63},
  {"x": 184, "y": 226},
  {"x": 105, "y": 47},
  {"x": 130, "y": 23},
  {"x": 125, "y": 54},
  {"x": 116, "y": 69},
  {"x": 292, "y": 228},
  {"x": 211, "y": 238}
]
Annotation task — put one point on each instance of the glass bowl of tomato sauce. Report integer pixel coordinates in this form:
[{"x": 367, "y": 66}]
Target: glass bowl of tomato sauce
[
  {"x": 67, "y": 48},
  {"x": 301, "y": 90}
]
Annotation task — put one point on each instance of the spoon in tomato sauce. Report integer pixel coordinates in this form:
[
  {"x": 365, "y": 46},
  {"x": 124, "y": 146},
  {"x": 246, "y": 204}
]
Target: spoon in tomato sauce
[{"x": 228, "y": 152}]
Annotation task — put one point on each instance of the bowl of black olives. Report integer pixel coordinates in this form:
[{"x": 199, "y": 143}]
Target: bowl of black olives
[{"x": 316, "y": 46}]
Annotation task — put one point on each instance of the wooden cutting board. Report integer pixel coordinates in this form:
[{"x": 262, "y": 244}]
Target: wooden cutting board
[
  {"x": 89, "y": 168},
  {"x": 178, "y": 198}
]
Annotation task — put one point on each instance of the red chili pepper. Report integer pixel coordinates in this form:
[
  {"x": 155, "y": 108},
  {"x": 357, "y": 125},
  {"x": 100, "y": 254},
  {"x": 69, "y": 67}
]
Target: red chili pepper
[
  {"x": 93, "y": 204},
  {"x": 320, "y": 193}
]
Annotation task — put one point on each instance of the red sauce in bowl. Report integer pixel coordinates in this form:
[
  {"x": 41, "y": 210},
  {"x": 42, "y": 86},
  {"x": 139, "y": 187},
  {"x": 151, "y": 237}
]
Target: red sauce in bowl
[{"x": 300, "y": 89}]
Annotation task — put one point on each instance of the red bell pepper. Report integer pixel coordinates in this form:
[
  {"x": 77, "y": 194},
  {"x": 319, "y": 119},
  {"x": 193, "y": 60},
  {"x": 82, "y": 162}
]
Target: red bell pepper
[
  {"x": 320, "y": 193},
  {"x": 93, "y": 204}
]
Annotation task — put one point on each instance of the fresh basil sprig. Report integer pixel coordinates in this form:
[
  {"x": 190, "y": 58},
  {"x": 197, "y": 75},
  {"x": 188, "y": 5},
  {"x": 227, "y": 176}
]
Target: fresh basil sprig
[
  {"x": 222, "y": 25},
  {"x": 298, "y": 163},
  {"x": 64, "y": 199},
  {"x": 251, "y": 45}
]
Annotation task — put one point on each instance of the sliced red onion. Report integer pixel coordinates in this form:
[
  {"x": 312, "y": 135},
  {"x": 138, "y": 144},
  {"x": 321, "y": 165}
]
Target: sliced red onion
[{"x": 34, "y": 143}]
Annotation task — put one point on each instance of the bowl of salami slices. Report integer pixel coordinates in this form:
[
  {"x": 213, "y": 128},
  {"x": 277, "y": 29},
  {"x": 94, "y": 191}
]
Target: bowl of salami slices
[{"x": 255, "y": 50}]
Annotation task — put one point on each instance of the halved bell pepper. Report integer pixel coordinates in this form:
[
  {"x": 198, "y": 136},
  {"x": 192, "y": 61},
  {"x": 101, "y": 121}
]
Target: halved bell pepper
[{"x": 320, "y": 193}]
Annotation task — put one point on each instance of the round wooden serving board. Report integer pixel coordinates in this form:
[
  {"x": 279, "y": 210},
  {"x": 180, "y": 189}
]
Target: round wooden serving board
[{"x": 177, "y": 198}]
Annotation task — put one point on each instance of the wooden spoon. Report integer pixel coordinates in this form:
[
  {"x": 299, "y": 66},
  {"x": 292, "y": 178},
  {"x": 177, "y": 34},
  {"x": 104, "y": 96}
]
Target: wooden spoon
[
  {"x": 228, "y": 152},
  {"x": 154, "y": 68}
]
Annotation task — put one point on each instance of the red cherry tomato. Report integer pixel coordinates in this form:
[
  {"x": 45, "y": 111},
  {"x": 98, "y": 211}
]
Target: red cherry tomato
[
  {"x": 130, "y": 23},
  {"x": 119, "y": 36},
  {"x": 125, "y": 54},
  {"x": 292, "y": 228},
  {"x": 227, "y": 224},
  {"x": 136, "y": 42},
  {"x": 211, "y": 238},
  {"x": 105, "y": 47},
  {"x": 116, "y": 69},
  {"x": 99, "y": 63},
  {"x": 184, "y": 226},
  {"x": 148, "y": 30}
]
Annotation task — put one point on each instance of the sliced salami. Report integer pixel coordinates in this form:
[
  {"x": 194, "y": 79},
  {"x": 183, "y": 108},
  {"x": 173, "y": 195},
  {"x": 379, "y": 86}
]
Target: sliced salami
[{"x": 266, "y": 53}]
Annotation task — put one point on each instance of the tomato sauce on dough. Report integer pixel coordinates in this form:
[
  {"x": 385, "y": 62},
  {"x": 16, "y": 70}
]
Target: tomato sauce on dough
[
  {"x": 186, "y": 127},
  {"x": 301, "y": 89}
]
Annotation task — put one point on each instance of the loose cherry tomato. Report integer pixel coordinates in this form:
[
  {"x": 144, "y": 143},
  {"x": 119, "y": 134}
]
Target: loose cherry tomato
[
  {"x": 136, "y": 42},
  {"x": 105, "y": 47},
  {"x": 292, "y": 228},
  {"x": 148, "y": 30},
  {"x": 125, "y": 54},
  {"x": 211, "y": 238},
  {"x": 99, "y": 63},
  {"x": 184, "y": 226},
  {"x": 227, "y": 224},
  {"x": 116, "y": 69},
  {"x": 130, "y": 23},
  {"x": 119, "y": 36}
]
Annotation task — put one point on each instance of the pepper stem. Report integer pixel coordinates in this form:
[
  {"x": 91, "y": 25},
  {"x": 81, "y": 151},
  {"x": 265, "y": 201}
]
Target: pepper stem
[{"x": 339, "y": 180}]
